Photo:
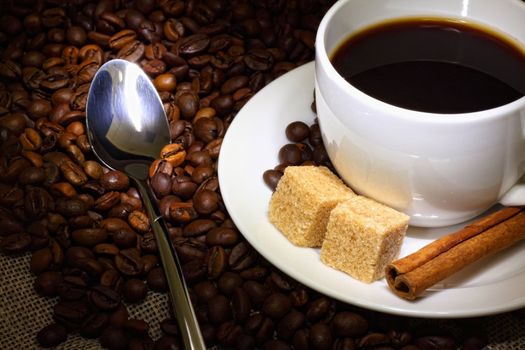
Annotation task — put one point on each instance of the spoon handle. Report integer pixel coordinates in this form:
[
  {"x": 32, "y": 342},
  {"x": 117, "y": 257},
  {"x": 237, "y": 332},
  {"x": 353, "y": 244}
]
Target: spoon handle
[{"x": 180, "y": 299}]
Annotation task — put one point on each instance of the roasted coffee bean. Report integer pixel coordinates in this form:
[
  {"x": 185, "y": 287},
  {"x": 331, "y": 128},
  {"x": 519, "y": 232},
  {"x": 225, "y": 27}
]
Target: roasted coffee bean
[
  {"x": 281, "y": 281},
  {"x": 75, "y": 253},
  {"x": 321, "y": 336},
  {"x": 319, "y": 155},
  {"x": 72, "y": 288},
  {"x": 129, "y": 262},
  {"x": 289, "y": 324},
  {"x": 169, "y": 326},
  {"x": 71, "y": 207},
  {"x": 344, "y": 344},
  {"x": 225, "y": 237},
  {"x": 15, "y": 243},
  {"x": 92, "y": 267},
  {"x": 198, "y": 227},
  {"x": 119, "y": 316},
  {"x": 265, "y": 329},
  {"x": 194, "y": 270},
  {"x": 52, "y": 335},
  {"x": 182, "y": 212},
  {"x": 9, "y": 223},
  {"x": 256, "y": 291},
  {"x": 216, "y": 261},
  {"x": 30, "y": 140},
  {"x": 70, "y": 313},
  {"x": 94, "y": 325},
  {"x": 156, "y": 280},
  {"x": 345, "y": 323},
  {"x": 107, "y": 201},
  {"x": 194, "y": 44},
  {"x": 73, "y": 173},
  {"x": 301, "y": 339},
  {"x": 377, "y": 339},
  {"x": 271, "y": 178},
  {"x": 114, "y": 224},
  {"x": 228, "y": 282},
  {"x": 150, "y": 261},
  {"x": 114, "y": 181},
  {"x": 206, "y": 129},
  {"x": 139, "y": 221},
  {"x": 315, "y": 137},
  {"x": 290, "y": 154},
  {"x": 299, "y": 297},
  {"x": 319, "y": 308},
  {"x": 41, "y": 260},
  {"x": 148, "y": 244},
  {"x": 206, "y": 202},
  {"x": 122, "y": 38},
  {"x": 106, "y": 249},
  {"x": 255, "y": 273},
  {"x": 183, "y": 187},
  {"x": 47, "y": 283},
  {"x": 398, "y": 338},
  {"x": 228, "y": 333},
  {"x": 65, "y": 189},
  {"x": 161, "y": 184},
  {"x": 9, "y": 196},
  {"x": 435, "y": 342},
  {"x": 242, "y": 256},
  {"x": 51, "y": 172},
  {"x": 114, "y": 339},
  {"x": 219, "y": 310},
  {"x": 241, "y": 304},
  {"x": 188, "y": 104},
  {"x": 223, "y": 104},
  {"x": 205, "y": 291},
  {"x": 277, "y": 305},
  {"x": 165, "y": 81},
  {"x": 202, "y": 173},
  {"x": 37, "y": 202},
  {"x": 174, "y": 153},
  {"x": 198, "y": 158},
  {"x": 124, "y": 238},
  {"x": 90, "y": 236},
  {"x": 104, "y": 298},
  {"x": 134, "y": 290},
  {"x": 93, "y": 169}
]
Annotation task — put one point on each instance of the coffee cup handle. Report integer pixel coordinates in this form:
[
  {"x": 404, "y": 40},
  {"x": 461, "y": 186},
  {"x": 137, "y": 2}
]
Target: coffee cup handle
[{"x": 515, "y": 196}]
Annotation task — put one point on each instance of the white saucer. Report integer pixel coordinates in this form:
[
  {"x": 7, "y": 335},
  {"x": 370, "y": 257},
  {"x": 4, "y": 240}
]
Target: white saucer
[{"x": 492, "y": 285}]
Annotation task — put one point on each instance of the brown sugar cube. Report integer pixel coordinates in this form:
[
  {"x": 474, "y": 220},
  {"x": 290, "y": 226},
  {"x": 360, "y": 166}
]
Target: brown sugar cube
[
  {"x": 362, "y": 237},
  {"x": 302, "y": 201}
]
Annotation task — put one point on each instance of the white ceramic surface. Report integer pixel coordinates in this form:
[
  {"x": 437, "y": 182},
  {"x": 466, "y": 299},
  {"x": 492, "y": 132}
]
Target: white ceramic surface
[
  {"x": 440, "y": 169},
  {"x": 251, "y": 146}
]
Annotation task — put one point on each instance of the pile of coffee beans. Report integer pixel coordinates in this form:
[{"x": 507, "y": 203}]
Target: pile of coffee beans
[
  {"x": 305, "y": 148},
  {"x": 84, "y": 225}
]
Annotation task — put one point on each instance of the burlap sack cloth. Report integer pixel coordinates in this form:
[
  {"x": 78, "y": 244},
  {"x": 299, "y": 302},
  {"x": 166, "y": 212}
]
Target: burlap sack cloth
[{"x": 23, "y": 313}]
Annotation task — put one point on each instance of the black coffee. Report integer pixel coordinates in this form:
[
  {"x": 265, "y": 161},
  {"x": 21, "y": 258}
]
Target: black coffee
[{"x": 433, "y": 65}]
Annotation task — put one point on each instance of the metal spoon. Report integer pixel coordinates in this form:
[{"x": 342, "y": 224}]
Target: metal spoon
[{"x": 127, "y": 128}]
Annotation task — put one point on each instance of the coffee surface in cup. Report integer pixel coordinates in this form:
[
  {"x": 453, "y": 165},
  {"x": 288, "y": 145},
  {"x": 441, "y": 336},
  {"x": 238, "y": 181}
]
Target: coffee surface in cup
[{"x": 435, "y": 65}]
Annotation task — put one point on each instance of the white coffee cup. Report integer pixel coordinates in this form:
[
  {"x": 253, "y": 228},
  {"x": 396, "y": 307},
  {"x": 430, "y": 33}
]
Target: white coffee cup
[{"x": 440, "y": 169}]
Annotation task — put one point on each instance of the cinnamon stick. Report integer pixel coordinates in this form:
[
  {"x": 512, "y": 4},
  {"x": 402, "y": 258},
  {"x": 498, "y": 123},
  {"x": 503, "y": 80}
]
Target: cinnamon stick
[{"x": 412, "y": 275}]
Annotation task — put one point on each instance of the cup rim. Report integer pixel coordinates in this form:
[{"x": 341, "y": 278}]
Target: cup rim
[{"x": 322, "y": 58}]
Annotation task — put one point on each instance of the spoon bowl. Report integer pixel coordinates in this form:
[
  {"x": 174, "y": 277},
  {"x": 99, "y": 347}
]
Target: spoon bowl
[
  {"x": 125, "y": 118},
  {"x": 127, "y": 128}
]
